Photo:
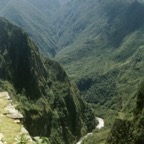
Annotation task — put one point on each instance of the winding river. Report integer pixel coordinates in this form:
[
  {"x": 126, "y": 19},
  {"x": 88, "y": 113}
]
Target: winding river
[{"x": 99, "y": 126}]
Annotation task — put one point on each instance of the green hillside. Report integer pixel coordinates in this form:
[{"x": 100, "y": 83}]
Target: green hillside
[
  {"x": 100, "y": 44},
  {"x": 105, "y": 57},
  {"x": 34, "y": 17},
  {"x": 130, "y": 130},
  {"x": 49, "y": 101},
  {"x": 101, "y": 48}
]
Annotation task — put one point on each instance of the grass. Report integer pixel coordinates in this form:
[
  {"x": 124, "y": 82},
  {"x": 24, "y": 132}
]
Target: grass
[
  {"x": 8, "y": 127},
  {"x": 98, "y": 137}
]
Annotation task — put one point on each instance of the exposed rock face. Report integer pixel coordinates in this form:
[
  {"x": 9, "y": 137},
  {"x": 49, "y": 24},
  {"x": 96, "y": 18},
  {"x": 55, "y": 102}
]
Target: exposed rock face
[
  {"x": 12, "y": 112},
  {"x": 50, "y": 103}
]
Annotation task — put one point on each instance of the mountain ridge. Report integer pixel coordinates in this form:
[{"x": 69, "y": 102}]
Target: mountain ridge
[
  {"x": 99, "y": 55},
  {"x": 33, "y": 21},
  {"x": 100, "y": 45},
  {"x": 50, "y": 103}
]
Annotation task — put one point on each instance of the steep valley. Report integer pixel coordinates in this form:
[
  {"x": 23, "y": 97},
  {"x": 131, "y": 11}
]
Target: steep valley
[
  {"x": 100, "y": 45},
  {"x": 101, "y": 48}
]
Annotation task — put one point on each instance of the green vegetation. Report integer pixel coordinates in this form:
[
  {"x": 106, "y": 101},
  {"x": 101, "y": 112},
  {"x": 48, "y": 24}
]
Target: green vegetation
[
  {"x": 107, "y": 67},
  {"x": 42, "y": 140},
  {"x": 98, "y": 137},
  {"x": 8, "y": 127},
  {"x": 104, "y": 57},
  {"x": 101, "y": 48},
  {"x": 100, "y": 45},
  {"x": 22, "y": 139},
  {"x": 130, "y": 130},
  {"x": 49, "y": 101}
]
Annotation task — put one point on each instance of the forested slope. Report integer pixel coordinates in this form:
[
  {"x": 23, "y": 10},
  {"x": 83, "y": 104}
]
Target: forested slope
[
  {"x": 104, "y": 55},
  {"x": 49, "y": 101}
]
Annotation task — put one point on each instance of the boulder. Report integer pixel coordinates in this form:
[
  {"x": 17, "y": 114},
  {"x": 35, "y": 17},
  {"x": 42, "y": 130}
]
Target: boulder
[
  {"x": 4, "y": 95},
  {"x": 15, "y": 116}
]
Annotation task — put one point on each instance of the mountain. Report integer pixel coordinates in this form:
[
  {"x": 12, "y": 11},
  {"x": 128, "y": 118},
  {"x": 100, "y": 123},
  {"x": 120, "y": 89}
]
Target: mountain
[
  {"x": 100, "y": 46},
  {"x": 41, "y": 89},
  {"x": 34, "y": 17}
]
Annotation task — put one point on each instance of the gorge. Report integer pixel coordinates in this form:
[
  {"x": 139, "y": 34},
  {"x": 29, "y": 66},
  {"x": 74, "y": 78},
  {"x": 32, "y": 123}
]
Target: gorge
[{"x": 76, "y": 60}]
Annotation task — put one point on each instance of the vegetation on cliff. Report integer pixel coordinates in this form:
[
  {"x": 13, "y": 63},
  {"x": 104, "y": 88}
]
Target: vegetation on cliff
[
  {"x": 130, "y": 129},
  {"x": 49, "y": 101}
]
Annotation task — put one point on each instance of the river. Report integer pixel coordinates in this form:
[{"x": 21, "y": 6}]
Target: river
[{"x": 99, "y": 126}]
